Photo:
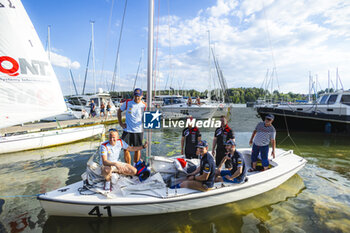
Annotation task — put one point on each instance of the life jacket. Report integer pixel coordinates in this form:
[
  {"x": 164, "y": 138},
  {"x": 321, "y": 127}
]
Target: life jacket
[{"x": 142, "y": 170}]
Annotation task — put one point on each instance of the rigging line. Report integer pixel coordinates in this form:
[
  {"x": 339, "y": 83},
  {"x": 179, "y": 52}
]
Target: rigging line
[
  {"x": 269, "y": 41},
  {"x": 156, "y": 55},
  {"x": 288, "y": 133},
  {"x": 107, "y": 41},
  {"x": 169, "y": 35},
  {"x": 116, "y": 60}
]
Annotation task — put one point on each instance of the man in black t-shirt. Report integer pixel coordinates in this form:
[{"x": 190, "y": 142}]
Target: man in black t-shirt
[
  {"x": 222, "y": 134},
  {"x": 191, "y": 136}
]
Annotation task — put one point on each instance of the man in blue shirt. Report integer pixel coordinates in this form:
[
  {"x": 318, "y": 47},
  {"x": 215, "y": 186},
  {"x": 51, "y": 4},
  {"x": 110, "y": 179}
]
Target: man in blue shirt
[
  {"x": 238, "y": 170},
  {"x": 133, "y": 131},
  {"x": 203, "y": 177}
]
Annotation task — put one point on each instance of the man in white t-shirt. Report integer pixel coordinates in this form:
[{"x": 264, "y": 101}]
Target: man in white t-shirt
[
  {"x": 133, "y": 131},
  {"x": 109, "y": 157}
]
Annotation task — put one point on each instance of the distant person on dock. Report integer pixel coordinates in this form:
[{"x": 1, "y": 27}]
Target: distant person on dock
[
  {"x": 221, "y": 135},
  {"x": 198, "y": 101},
  {"x": 262, "y": 136},
  {"x": 190, "y": 138},
  {"x": 108, "y": 109},
  {"x": 189, "y": 101},
  {"x": 84, "y": 114},
  {"x": 109, "y": 157},
  {"x": 203, "y": 177},
  {"x": 133, "y": 131},
  {"x": 92, "y": 109},
  {"x": 237, "y": 171},
  {"x": 102, "y": 110}
]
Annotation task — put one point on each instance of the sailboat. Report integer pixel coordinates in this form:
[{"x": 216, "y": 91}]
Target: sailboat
[
  {"x": 29, "y": 89},
  {"x": 149, "y": 200}
]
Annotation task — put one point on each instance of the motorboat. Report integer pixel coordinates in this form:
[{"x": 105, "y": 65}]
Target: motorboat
[
  {"x": 329, "y": 113},
  {"x": 176, "y": 106},
  {"x": 132, "y": 196},
  {"x": 70, "y": 201},
  {"x": 79, "y": 102}
]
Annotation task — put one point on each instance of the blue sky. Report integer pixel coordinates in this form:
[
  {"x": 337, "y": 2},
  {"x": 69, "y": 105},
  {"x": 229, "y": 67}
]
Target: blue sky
[{"x": 249, "y": 37}]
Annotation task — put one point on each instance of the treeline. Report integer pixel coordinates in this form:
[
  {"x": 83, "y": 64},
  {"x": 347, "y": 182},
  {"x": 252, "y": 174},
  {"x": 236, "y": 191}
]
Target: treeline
[{"x": 232, "y": 95}]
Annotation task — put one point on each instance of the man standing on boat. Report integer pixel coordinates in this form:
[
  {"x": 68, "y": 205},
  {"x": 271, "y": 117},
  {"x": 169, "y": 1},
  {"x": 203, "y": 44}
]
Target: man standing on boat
[
  {"x": 263, "y": 134},
  {"x": 191, "y": 136},
  {"x": 133, "y": 131},
  {"x": 238, "y": 170},
  {"x": 92, "y": 109},
  {"x": 222, "y": 134},
  {"x": 203, "y": 177},
  {"x": 109, "y": 157}
]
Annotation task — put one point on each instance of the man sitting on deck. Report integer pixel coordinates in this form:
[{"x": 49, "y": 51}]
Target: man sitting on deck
[
  {"x": 238, "y": 170},
  {"x": 109, "y": 152},
  {"x": 202, "y": 178}
]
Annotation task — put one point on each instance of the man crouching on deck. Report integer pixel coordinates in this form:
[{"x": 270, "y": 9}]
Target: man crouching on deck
[
  {"x": 203, "y": 177},
  {"x": 109, "y": 152}
]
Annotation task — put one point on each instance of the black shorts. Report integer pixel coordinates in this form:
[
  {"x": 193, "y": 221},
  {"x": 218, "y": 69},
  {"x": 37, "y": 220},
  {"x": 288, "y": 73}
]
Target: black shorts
[{"x": 132, "y": 139}]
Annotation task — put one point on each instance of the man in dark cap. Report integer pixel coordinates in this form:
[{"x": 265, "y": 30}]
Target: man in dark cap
[
  {"x": 237, "y": 172},
  {"x": 203, "y": 177},
  {"x": 133, "y": 130},
  {"x": 262, "y": 136}
]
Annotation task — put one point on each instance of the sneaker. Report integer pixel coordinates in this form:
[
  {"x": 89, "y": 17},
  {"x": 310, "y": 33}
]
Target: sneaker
[{"x": 107, "y": 186}]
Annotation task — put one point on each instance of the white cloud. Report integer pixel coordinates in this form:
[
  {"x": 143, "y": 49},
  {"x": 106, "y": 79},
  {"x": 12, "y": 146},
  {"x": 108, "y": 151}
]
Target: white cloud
[
  {"x": 62, "y": 61},
  {"x": 297, "y": 35}
]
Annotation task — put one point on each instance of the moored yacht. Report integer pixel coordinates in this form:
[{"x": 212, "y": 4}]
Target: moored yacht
[
  {"x": 79, "y": 102},
  {"x": 174, "y": 106},
  {"x": 330, "y": 113}
]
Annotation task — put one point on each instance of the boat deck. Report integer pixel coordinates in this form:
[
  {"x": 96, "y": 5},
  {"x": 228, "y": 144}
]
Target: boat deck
[{"x": 44, "y": 126}]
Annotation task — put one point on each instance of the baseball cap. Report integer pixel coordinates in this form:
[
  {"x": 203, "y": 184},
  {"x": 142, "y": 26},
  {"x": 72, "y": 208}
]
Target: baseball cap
[
  {"x": 270, "y": 116},
  {"x": 137, "y": 92},
  {"x": 230, "y": 142},
  {"x": 202, "y": 144}
]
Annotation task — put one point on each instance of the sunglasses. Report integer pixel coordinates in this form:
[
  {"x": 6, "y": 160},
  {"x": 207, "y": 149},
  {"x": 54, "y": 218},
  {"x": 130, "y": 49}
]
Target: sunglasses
[{"x": 112, "y": 130}]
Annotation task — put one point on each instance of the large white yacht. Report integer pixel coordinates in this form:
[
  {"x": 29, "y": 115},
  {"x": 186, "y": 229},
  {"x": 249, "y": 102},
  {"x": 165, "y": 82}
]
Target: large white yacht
[
  {"x": 330, "y": 113},
  {"x": 79, "y": 102},
  {"x": 175, "y": 106}
]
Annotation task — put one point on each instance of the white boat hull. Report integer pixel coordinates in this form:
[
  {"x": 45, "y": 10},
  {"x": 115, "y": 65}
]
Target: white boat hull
[
  {"x": 68, "y": 202},
  {"x": 198, "y": 112},
  {"x": 49, "y": 138}
]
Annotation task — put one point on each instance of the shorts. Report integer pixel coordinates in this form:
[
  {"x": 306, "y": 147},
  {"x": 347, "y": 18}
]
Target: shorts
[
  {"x": 224, "y": 173},
  {"x": 132, "y": 139},
  {"x": 264, "y": 152}
]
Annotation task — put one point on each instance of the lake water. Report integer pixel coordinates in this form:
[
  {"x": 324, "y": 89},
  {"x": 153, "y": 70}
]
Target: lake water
[{"x": 317, "y": 199}]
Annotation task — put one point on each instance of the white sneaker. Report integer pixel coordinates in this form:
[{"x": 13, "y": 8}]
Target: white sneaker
[{"x": 107, "y": 186}]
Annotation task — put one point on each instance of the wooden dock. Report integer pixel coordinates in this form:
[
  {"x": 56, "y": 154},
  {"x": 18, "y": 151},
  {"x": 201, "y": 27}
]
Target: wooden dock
[{"x": 44, "y": 126}]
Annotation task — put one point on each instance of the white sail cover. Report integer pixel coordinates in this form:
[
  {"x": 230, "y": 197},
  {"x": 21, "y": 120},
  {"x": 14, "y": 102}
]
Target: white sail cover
[{"x": 29, "y": 89}]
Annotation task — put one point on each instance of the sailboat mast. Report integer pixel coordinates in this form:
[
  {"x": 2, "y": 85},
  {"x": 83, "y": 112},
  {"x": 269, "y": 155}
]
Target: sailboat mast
[
  {"x": 93, "y": 53},
  {"x": 149, "y": 71}
]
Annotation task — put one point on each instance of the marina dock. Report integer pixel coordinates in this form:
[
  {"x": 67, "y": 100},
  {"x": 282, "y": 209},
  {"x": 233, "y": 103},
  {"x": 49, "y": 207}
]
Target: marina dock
[{"x": 45, "y": 126}]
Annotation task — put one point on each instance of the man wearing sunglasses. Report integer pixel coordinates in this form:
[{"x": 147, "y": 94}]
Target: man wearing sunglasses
[
  {"x": 109, "y": 157},
  {"x": 263, "y": 134},
  {"x": 133, "y": 131}
]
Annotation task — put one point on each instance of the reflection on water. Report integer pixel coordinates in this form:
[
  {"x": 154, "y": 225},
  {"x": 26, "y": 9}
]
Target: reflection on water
[{"x": 316, "y": 200}]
